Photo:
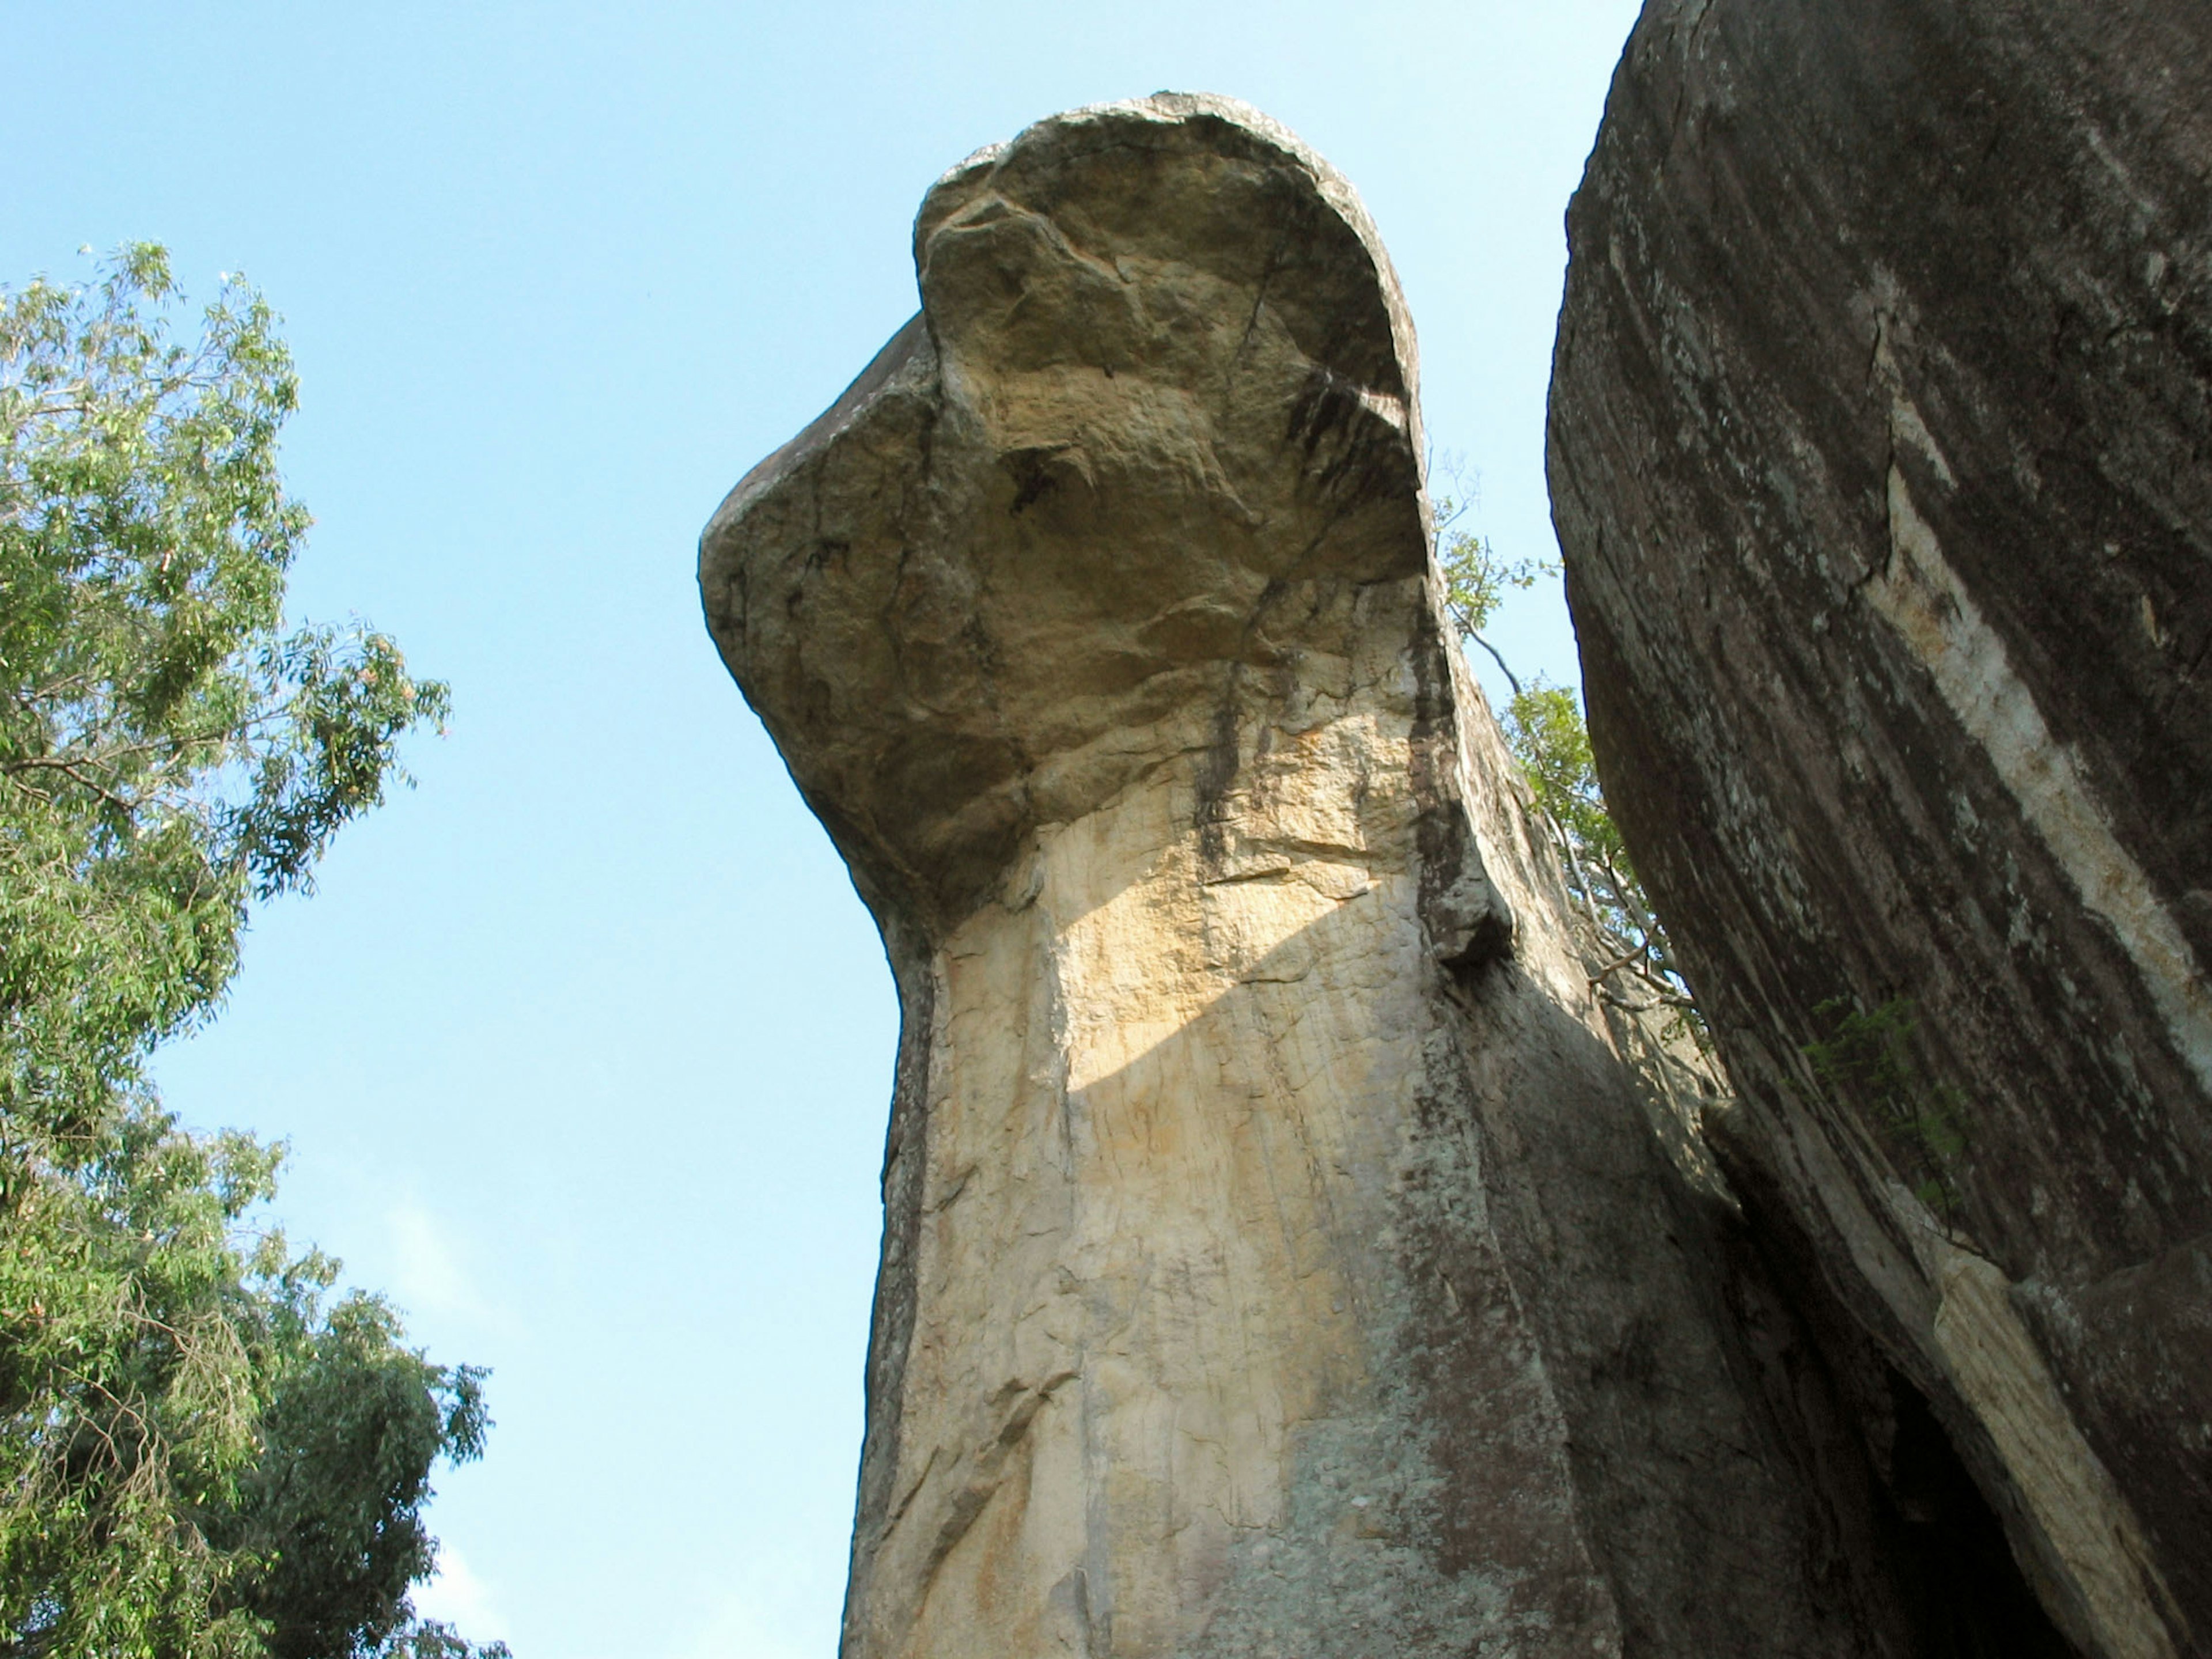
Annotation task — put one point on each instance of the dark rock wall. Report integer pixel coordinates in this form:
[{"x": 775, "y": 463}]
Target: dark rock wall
[{"x": 1879, "y": 431}]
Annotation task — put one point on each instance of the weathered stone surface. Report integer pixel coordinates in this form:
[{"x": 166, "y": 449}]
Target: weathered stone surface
[
  {"x": 1879, "y": 441},
  {"x": 1277, "y": 1259}
]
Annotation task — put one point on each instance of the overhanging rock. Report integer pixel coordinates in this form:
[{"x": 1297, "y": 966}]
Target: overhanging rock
[{"x": 1276, "y": 1257}]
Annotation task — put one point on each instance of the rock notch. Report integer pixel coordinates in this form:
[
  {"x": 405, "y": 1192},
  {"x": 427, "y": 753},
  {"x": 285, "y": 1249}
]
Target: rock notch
[
  {"x": 1880, "y": 417},
  {"x": 1278, "y": 1258}
]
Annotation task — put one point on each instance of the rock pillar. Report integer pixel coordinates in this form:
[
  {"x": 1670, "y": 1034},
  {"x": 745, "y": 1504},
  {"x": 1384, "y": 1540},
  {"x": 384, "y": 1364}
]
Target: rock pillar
[{"x": 1277, "y": 1259}]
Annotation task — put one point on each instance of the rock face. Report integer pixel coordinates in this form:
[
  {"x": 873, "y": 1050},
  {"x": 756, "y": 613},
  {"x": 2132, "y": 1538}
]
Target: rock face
[
  {"x": 1881, "y": 421},
  {"x": 1278, "y": 1258}
]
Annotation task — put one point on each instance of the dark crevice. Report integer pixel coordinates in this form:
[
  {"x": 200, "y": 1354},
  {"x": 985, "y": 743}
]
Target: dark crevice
[{"x": 1907, "y": 1535}]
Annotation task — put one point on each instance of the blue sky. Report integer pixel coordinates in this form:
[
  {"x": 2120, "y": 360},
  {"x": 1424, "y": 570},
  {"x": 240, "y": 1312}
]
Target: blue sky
[{"x": 583, "y": 1049}]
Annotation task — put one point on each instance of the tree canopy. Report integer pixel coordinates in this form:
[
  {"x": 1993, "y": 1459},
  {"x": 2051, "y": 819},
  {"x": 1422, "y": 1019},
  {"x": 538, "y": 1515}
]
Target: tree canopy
[{"x": 205, "y": 1450}]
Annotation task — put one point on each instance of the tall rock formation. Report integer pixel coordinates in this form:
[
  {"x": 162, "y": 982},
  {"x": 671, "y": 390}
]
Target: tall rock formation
[
  {"x": 1277, "y": 1259},
  {"x": 1882, "y": 456}
]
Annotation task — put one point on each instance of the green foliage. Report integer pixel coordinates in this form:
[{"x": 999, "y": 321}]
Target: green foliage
[
  {"x": 1868, "y": 1057},
  {"x": 165, "y": 747},
  {"x": 201, "y": 1454},
  {"x": 1544, "y": 730},
  {"x": 1476, "y": 576},
  {"x": 330, "y": 1509},
  {"x": 127, "y": 1391}
]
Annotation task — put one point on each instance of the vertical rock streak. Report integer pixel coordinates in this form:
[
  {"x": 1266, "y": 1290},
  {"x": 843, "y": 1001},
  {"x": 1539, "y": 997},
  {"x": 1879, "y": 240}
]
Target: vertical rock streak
[{"x": 1921, "y": 596}]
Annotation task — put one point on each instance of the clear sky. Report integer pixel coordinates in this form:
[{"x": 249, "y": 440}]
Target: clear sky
[{"x": 583, "y": 1047}]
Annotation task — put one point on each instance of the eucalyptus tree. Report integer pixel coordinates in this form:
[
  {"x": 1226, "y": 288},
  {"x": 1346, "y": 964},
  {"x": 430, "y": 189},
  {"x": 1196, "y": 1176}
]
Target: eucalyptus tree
[{"x": 205, "y": 1450}]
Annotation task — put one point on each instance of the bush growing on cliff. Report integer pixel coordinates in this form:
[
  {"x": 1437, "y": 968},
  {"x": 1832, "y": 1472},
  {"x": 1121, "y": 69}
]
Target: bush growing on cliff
[
  {"x": 1635, "y": 963},
  {"x": 202, "y": 1453},
  {"x": 1632, "y": 964},
  {"x": 1868, "y": 1057}
]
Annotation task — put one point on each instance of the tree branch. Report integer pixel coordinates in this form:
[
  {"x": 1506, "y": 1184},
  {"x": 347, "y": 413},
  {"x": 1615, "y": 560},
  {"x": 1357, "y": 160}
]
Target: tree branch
[{"x": 1511, "y": 679}]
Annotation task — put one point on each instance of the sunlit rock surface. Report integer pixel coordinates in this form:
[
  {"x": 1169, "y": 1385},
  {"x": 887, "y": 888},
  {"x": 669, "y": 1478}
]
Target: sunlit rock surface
[
  {"x": 1880, "y": 425},
  {"x": 1278, "y": 1260}
]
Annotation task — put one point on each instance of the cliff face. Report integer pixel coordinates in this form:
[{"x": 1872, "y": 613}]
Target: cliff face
[
  {"x": 1881, "y": 411},
  {"x": 1278, "y": 1258}
]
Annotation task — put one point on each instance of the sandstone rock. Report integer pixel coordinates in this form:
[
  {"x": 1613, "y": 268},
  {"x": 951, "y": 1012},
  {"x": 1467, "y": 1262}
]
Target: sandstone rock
[
  {"x": 1277, "y": 1259},
  {"x": 1879, "y": 441}
]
